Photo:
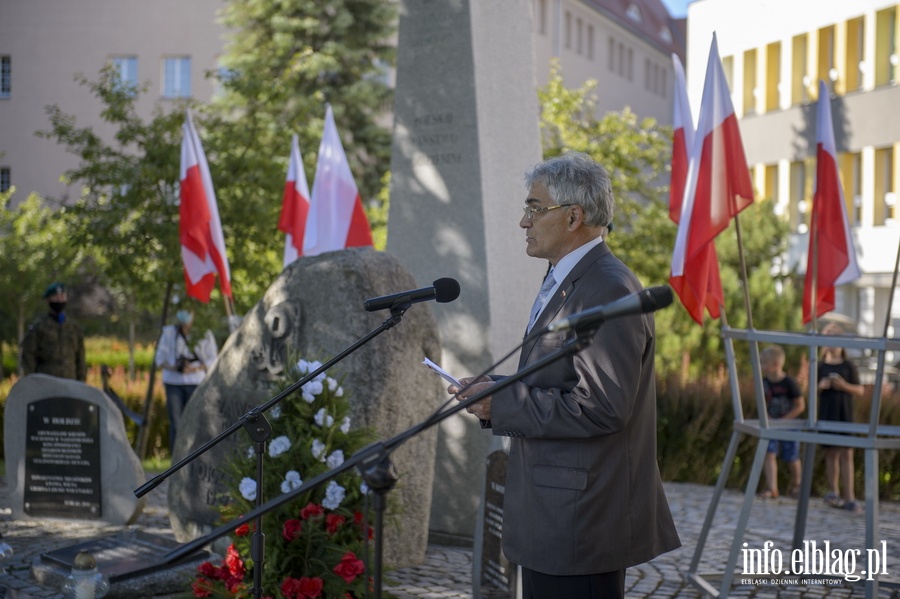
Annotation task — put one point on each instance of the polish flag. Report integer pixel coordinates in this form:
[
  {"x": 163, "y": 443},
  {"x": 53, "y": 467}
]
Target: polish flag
[
  {"x": 831, "y": 259},
  {"x": 294, "y": 205},
  {"x": 200, "y": 230},
  {"x": 682, "y": 141},
  {"x": 717, "y": 188},
  {"x": 336, "y": 217}
]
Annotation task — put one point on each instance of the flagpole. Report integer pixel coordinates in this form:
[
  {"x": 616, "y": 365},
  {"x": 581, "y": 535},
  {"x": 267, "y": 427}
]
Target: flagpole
[
  {"x": 814, "y": 286},
  {"x": 740, "y": 242}
]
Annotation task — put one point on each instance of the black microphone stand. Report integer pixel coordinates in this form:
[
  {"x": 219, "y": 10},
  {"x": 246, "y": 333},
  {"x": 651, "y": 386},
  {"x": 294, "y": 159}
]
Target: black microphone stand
[
  {"x": 374, "y": 462},
  {"x": 259, "y": 430}
]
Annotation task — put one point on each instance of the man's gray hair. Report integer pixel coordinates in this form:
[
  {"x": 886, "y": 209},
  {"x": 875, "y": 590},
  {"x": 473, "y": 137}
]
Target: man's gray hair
[{"x": 574, "y": 178}]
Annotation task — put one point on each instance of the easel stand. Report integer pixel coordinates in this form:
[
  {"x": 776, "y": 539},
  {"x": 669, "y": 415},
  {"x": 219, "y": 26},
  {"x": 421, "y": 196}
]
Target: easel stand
[{"x": 870, "y": 437}]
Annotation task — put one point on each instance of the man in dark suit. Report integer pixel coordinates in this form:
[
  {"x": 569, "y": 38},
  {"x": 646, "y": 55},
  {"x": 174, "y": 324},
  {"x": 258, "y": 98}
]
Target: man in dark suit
[{"x": 583, "y": 499}]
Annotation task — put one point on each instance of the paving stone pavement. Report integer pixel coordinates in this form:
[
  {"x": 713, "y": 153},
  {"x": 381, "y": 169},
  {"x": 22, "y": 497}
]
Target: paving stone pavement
[{"x": 447, "y": 571}]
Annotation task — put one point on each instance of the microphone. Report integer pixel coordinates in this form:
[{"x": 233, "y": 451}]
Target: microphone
[
  {"x": 641, "y": 302},
  {"x": 443, "y": 291}
]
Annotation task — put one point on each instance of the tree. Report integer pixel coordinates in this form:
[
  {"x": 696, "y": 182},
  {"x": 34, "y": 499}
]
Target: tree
[
  {"x": 285, "y": 60},
  {"x": 34, "y": 251},
  {"x": 128, "y": 211},
  {"x": 637, "y": 154}
]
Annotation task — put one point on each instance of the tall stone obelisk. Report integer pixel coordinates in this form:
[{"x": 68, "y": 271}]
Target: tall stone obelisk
[{"x": 466, "y": 128}]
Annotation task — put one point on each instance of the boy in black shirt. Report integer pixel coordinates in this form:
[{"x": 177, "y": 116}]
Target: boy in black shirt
[{"x": 783, "y": 400}]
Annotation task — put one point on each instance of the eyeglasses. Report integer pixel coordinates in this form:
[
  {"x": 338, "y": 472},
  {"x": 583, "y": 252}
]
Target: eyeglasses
[{"x": 530, "y": 212}]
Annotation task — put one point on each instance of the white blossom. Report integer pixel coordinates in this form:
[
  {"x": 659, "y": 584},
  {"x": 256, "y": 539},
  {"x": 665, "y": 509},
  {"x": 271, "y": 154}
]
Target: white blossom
[
  {"x": 334, "y": 495},
  {"x": 251, "y": 452},
  {"x": 279, "y": 445},
  {"x": 335, "y": 459},
  {"x": 291, "y": 481},
  {"x": 308, "y": 397},
  {"x": 318, "y": 450},
  {"x": 248, "y": 488},
  {"x": 323, "y": 419},
  {"x": 345, "y": 425},
  {"x": 303, "y": 365},
  {"x": 364, "y": 488},
  {"x": 339, "y": 392},
  {"x": 332, "y": 384},
  {"x": 275, "y": 412},
  {"x": 315, "y": 387}
]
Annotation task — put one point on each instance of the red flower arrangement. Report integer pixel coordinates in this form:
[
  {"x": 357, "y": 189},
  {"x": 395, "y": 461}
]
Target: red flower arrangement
[{"x": 315, "y": 556}]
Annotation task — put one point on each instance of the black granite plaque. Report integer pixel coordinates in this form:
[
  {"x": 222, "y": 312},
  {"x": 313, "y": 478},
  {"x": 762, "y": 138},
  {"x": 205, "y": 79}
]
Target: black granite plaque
[
  {"x": 498, "y": 576},
  {"x": 123, "y": 556},
  {"x": 62, "y": 459}
]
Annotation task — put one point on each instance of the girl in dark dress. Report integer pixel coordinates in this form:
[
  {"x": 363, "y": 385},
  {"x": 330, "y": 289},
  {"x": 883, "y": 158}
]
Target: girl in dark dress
[{"x": 838, "y": 385}]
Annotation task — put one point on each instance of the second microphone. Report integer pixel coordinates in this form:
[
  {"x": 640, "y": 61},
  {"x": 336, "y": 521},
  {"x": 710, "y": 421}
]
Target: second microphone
[{"x": 443, "y": 291}]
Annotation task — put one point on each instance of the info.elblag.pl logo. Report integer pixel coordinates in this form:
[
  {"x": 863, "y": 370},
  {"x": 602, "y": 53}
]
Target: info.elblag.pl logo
[{"x": 815, "y": 559}]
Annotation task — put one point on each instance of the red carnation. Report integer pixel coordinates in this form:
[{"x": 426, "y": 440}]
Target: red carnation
[
  {"x": 311, "y": 510},
  {"x": 291, "y": 529},
  {"x": 202, "y": 587},
  {"x": 242, "y": 530},
  {"x": 301, "y": 588},
  {"x": 349, "y": 568},
  {"x": 210, "y": 571},
  {"x": 235, "y": 563},
  {"x": 333, "y": 522}
]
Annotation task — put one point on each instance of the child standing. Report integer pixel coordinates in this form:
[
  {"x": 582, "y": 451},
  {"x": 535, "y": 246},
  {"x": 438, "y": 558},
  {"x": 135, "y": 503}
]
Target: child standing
[
  {"x": 838, "y": 385},
  {"x": 783, "y": 401}
]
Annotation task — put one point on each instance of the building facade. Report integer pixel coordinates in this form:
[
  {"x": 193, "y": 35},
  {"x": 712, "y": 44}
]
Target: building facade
[
  {"x": 624, "y": 45},
  {"x": 774, "y": 53},
  {"x": 171, "y": 45},
  {"x": 168, "y": 44}
]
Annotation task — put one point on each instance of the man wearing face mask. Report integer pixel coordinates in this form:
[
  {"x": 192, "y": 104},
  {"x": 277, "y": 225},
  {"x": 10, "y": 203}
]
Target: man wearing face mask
[{"x": 54, "y": 344}]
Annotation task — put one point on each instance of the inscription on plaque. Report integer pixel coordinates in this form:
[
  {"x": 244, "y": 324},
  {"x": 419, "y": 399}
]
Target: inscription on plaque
[
  {"x": 498, "y": 576},
  {"x": 62, "y": 459}
]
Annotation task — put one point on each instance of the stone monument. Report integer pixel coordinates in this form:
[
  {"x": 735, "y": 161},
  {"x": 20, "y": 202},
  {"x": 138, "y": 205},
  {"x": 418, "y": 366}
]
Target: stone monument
[
  {"x": 465, "y": 130},
  {"x": 67, "y": 454},
  {"x": 316, "y": 307}
]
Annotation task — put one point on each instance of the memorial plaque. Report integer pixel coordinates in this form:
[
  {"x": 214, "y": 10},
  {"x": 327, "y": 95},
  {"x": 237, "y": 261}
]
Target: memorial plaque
[
  {"x": 498, "y": 576},
  {"x": 127, "y": 555},
  {"x": 62, "y": 459}
]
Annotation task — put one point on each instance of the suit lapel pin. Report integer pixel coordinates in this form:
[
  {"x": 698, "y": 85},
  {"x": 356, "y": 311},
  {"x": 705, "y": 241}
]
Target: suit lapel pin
[{"x": 564, "y": 293}]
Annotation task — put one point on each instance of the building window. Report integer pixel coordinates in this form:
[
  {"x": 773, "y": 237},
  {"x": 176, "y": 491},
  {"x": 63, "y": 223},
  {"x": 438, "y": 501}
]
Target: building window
[
  {"x": 800, "y": 79},
  {"x": 630, "y": 64},
  {"x": 5, "y": 183},
  {"x": 5, "y": 76},
  {"x": 568, "y": 30},
  {"x": 634, "y": 13},
  {"x": 579, "y": 46},
  {"x": 177, "y": 77},
  {"x": 590, "y": 42},
  {"x": 612, "y": 54},
  {"x": 887, "y": 59},
  {"x": 621, "y": 59},
  {"x": 126, "y": 67}
]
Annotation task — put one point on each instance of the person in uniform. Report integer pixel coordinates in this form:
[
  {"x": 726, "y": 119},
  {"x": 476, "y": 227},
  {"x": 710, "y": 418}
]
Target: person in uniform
[{"x": 54, "y": 344}]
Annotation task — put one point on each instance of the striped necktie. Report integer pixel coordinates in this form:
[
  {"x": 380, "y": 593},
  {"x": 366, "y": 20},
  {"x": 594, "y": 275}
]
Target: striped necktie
[{"x": 548, "y": 284}]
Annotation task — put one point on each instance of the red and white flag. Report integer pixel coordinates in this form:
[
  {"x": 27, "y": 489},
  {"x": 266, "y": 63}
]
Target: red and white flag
[
  {"x": 831, "y": 259},
  {"x": 200, "y": 230},
  {"x": 294, "y": 205},
  {"x": 336, "y": 217},
  {"x": 682, "y": 141},
  {"x": 717, "y": 188}
]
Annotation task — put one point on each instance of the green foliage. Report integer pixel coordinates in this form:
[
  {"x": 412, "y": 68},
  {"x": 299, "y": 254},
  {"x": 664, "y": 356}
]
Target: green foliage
[
  {"x": 321, "y": 533},
  {"x": 637, "y": 154},
  {"x": 128, "y": 210},
  {"x": 34, "y": 251}
]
